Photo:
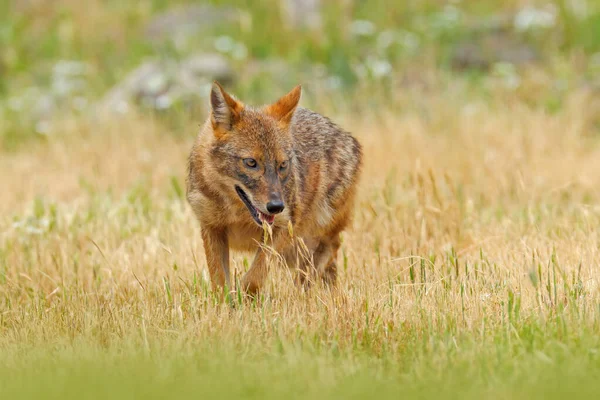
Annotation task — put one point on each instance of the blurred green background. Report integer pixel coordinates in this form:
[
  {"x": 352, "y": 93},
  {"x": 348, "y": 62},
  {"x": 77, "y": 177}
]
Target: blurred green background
[{"x": 70, "y": 59}]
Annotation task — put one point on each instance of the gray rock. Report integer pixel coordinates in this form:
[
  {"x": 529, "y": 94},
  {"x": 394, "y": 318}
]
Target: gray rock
[
  {"x": 188, "y": 20},
  {"x": 484, "y": 51},
  {"x": 304, "y": 14},
  {"x": 118, "y": 98},
  {"x": 210, "y": 65},
  {"x": 161, "y": 84}
]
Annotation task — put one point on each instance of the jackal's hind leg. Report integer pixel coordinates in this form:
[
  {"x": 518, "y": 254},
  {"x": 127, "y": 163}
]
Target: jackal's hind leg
[{"x": 329, "y": 272}]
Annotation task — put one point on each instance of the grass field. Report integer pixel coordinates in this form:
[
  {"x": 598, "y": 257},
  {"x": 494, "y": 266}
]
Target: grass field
[{"x": 471, "y": 270}]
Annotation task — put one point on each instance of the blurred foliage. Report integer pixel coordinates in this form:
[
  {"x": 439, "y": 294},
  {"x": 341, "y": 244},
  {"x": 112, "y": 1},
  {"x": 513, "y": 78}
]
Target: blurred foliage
[{"x": 374, "y": 45}]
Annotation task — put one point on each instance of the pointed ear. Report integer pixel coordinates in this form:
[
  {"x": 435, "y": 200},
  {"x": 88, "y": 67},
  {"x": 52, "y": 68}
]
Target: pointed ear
[
  {"x": 225, "y": 108},
  {"x": 283, "y": 109}
]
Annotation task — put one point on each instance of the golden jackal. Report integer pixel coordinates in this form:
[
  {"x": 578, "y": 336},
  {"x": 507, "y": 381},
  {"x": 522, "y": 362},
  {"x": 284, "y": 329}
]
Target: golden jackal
[{"x": 252, "y": 167}]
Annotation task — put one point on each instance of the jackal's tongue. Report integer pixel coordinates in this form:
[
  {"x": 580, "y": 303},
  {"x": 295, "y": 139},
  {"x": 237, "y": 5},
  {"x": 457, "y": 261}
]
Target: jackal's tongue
[{"x": 267, "y": 218}]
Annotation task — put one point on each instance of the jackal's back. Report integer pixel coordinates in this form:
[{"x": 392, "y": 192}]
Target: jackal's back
[{"x": 328, "y": 162}]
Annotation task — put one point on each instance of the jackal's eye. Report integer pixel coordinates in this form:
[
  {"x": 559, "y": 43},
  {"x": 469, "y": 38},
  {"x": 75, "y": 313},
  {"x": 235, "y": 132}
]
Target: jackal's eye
[
  {"x": 250, "y": 163},
  {"x": 283, "y": 165}
]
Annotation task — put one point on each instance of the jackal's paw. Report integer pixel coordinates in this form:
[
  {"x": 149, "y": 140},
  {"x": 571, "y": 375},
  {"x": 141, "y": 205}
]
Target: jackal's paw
[
  {"x": 250, "y": 287},
  {"x": 329, "y": 276},
  {"x": 303, "y": 281}
]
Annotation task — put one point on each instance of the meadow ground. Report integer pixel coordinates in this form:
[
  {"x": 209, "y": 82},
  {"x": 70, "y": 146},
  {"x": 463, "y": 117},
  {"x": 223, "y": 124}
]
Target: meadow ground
[{"x": 471, "y": 270}]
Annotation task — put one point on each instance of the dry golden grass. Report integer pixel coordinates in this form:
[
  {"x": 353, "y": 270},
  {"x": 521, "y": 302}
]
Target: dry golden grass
[{"x": 475, "y": 222}]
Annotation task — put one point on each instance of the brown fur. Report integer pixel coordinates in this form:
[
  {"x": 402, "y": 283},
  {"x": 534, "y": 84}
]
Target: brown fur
[{"x": 296, "y": 156}]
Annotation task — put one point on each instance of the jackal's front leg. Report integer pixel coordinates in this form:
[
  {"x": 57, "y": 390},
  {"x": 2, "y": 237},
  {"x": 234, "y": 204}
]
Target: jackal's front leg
[
  {"x": 255, "y": 278},
  {"x": 216, "y": 247}
]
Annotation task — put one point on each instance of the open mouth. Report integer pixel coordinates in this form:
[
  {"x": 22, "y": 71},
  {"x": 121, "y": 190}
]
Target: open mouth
[{"x": 258, "y": 216}]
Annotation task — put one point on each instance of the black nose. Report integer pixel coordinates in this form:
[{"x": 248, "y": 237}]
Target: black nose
[{"x": 275, "y": 206}]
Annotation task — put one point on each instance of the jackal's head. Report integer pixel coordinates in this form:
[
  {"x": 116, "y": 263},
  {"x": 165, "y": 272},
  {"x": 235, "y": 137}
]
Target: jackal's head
[{"x": 253, "y": 150}]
